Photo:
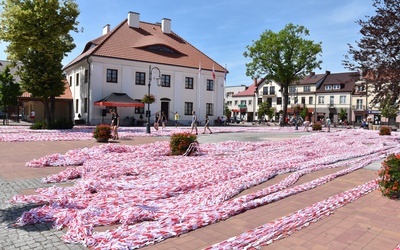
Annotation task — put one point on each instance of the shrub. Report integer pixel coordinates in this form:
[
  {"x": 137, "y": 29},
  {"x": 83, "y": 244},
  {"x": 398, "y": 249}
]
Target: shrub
[
  {"x": 384, "y": 130},
  {"x": 317, "y": 126},
  {"x": 102, "y": 131},
  {"x": 389, "y": 176},
  {"x": 39, "y": 125},
  {"x": 180, "y": 142}
]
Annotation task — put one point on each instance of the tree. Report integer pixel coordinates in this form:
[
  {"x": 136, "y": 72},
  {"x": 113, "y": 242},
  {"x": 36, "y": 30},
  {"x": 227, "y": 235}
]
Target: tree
[
  {"x": 377, "y": 52},
  {"x": 38, "y": 35},
  {"x": 285, "y": 57},
  {"x": 342, "y": 114},
  {"x": 388, "y": 108},
  {"x": 227, "y": 112},
  {"x": 265, "y": 109},
  {"x": 9, "y": 90}
]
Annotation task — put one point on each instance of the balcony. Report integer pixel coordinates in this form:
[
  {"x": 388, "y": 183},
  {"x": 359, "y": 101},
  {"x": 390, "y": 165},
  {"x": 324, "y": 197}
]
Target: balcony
[{"x": 358, "y": 107}]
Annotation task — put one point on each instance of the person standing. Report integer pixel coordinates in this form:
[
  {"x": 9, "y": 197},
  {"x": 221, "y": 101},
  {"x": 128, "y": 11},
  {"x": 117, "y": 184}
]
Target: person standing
[
  {"x": 328, "y": 124},
  {"x": 156, "y": 120},
  {"x": 163, "y": 120},
  {"x": 32, "y": 116},
  {"x": 206, "y": 125},
  {"x": 176, "y": 119},
  {"x": 114, "y": 123},
  {"x": 194, "y": 122}
]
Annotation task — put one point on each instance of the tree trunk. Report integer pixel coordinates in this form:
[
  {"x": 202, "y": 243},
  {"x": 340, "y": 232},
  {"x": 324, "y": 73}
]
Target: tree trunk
[{"x": 285, "y": 95}]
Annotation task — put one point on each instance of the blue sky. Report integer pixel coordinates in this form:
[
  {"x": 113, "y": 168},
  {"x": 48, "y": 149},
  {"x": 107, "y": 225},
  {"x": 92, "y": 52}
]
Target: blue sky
[{"x": 222, "y": 29}]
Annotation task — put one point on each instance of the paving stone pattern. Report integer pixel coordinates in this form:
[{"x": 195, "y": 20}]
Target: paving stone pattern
[{"x": 37, "y": 236}]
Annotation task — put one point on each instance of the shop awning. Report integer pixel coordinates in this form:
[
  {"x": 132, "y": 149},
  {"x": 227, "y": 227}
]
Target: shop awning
[
  {"x": 235, "y": 110},
  {"x": 119, "y": 100}
]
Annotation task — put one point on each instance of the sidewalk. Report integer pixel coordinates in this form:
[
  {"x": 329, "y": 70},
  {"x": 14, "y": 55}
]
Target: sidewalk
[{"x": 372, "y": 222}]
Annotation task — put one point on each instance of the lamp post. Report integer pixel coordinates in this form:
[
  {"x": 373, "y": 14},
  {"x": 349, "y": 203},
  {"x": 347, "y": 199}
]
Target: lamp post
[{"x": 148, "y": 114}]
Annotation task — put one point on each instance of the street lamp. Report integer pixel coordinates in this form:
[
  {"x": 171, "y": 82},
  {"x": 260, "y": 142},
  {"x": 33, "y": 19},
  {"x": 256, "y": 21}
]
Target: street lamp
[{"x": 148, "y": 114}]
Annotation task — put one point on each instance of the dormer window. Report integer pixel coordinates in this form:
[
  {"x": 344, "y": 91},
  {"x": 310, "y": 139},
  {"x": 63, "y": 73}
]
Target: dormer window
[
  {"x": 161, "y": 48},
  {"x": 328, "y": 87},
  {"x": 336, "y": 86}
]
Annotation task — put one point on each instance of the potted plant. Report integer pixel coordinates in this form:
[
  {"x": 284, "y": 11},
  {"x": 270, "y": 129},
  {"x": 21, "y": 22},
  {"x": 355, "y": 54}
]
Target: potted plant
[
  {"x": 148, "y": 98},
  {"x": 102, "y": 133},
  {"x": 389, "y": 176}
]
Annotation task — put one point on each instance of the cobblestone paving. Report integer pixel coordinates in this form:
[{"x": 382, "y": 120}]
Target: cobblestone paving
[{"x": 38, "y": 236}]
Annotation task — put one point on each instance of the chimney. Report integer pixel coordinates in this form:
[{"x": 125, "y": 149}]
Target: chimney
[
  {"x": 255, "y": 81},
  {"x": 312, "y": 74},
  {"x": 133, "y": 19},
  {"x": 106, "y": 29},
  {"x": 327, "y": 72},
  {"x": 166, "y": 26}
]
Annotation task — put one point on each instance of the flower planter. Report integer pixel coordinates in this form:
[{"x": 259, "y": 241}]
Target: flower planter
[{"x": 102, "y": 139}]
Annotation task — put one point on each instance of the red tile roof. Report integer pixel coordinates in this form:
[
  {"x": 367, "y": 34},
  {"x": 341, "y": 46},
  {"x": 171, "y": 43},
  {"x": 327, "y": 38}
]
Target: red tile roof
[
  {"x": 248, "y": 92},
  {"x": 124, "y": 42}
]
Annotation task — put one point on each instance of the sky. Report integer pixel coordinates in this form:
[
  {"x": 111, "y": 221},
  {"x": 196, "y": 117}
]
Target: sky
[{"x": 222, "y": 29}]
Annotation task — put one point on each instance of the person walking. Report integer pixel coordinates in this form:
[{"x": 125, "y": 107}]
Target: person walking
[
  {"x": 114, "y": 123},
  {"x": 156, "y": 120},
  {"x": 194, "y": 122},
  {"x": 176, "y": 119},
  {"x": 206, "y": 125}
]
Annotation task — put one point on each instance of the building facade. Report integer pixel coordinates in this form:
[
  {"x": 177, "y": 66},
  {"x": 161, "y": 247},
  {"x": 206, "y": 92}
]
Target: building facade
[{"x": 138, "y": 58}]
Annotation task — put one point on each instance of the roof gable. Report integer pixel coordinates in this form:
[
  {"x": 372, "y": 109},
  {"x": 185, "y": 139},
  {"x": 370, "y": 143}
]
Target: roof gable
[{"x": 148, "y": 43}]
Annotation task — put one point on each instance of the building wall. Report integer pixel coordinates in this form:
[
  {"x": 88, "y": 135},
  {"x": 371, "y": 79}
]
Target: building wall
[{"x": 175, "y": 96}]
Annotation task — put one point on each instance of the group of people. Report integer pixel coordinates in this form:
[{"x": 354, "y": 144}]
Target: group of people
[
  {"x": 160, "y": 118},
  {"x": 193, "y": 125}
]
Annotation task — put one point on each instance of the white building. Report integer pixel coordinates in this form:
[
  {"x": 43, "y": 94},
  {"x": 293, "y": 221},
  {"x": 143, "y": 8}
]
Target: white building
[{"x": 121, "y": 61}]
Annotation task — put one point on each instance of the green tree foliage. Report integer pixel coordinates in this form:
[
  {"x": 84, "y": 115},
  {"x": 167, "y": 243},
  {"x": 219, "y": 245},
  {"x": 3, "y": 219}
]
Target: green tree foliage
[
  {"x": 284, "y": 57},
  {"x": 388, "y": 108},
  {"x": 227, "y": 112},
  {"x": 265, "y": 110},
  {"x": 37, "y": 33},
  {"x": 342, "y": 114},
  {"x": 9, "y": 89},
  {"x": 377, "y": 52}
]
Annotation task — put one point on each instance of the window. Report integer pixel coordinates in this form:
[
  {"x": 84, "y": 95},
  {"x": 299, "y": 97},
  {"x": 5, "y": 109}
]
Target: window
[
  {"x": 188, "y": 108},
  {"x": 321, "y": 99},
  {"x": 328, "y": 87},
  {"x": 250, "y": 102},
  {"x": 272, "y": 90},
  {"x": 70, "y": 81},
  {"x": 336, "y": 86},
  {"x": 139, "y": 110},
  {"x": 303, "y": 100},
  {"x": 342, "y": 99},
  {"x": 236, "y": 102},
  {"x": 279, "y": 101},
  {"x": 209, "y": 108},
  {"x": 140, "y": 78},
  {"x": 189, "y": 83},
  {"x": 86, "y": 76},
  {"x": 243, "y": 102},
  {"x": 259, "y": 101},
  {"x": 310, "y": 100},
  {"x": 77, "y": 79},
  {"x": 112, "y": 75},
  {"x": 165, "y": 81},
  {"x": 306, "y": 89},
  {"x": 210, "y": 85},
  {"x": 292, "y": 89},
  {"x": 76, "y": 105},
  {"x": 265, "y": 91},
  {"x": 229, "y": 94},
  {"x": 359, "y": 104},
  {"x": 85, "y": 107},
  {"x": 229, "y": 103}
]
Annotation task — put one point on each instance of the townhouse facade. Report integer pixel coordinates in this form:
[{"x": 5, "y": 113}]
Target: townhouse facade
[
  {"x": 323, "y": 95},
  {"x": 137, "y": 58}
]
